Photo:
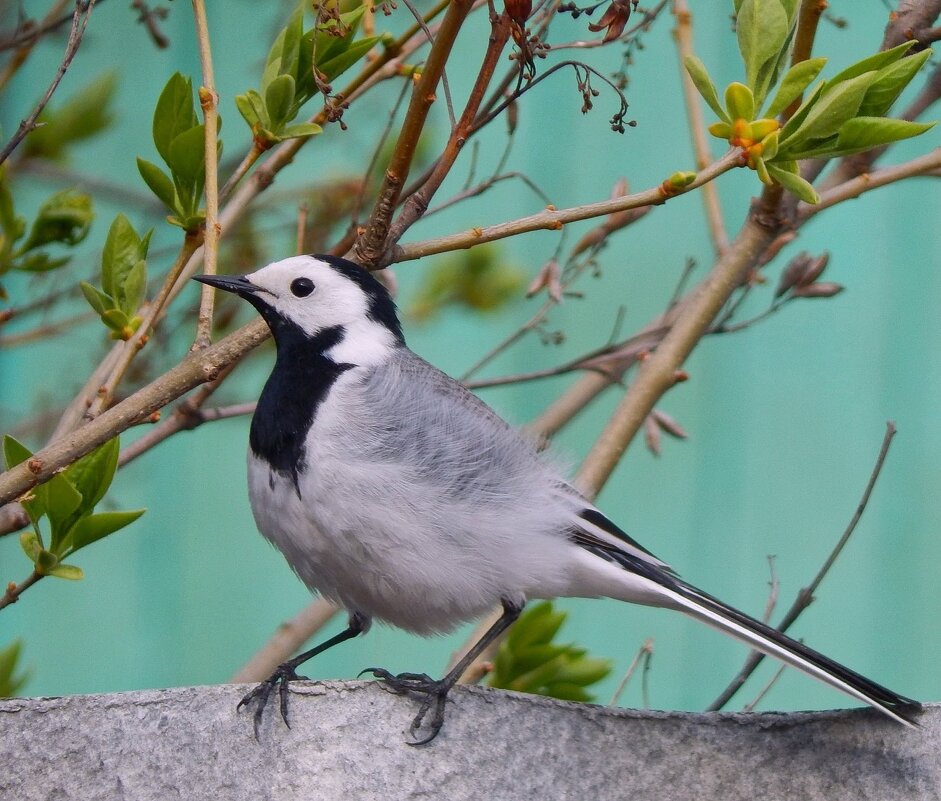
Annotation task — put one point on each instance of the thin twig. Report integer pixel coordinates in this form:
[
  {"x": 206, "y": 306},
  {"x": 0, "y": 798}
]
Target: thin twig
[
  {"x": 750, "y": 706},
  {"x": 806, "y": 595},
  {"x": 208, "y": 100},
  {"x": 80, "y": 17},
  {"x": 444, "y": 72},
  {"x": 371, "y": 245},
  {"x": 555, "y": 219},
  {"x": 773, "y": 586},
  {"x": 14, "y": 591},
  {"x": 645, "y": 652}
]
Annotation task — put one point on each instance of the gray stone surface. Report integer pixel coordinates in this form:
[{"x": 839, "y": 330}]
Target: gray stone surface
[{"x": 347, "y": 741}]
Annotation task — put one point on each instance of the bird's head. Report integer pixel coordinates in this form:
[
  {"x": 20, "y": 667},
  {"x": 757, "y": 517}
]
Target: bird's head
[{"x": 312, "y": 297}]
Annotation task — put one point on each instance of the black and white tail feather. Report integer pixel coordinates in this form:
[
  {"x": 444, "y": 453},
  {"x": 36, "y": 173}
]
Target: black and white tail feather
[
  {"x": 395, "y": 492},
  {"x": 631, "y": 556}
]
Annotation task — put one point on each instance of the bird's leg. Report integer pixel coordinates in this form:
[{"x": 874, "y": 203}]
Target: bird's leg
[
  {"x": 286, "y": 672},
  {"x": 435, "y": 691}
]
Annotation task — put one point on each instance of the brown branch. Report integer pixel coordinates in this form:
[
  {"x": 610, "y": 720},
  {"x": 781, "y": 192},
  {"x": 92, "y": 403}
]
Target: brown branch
[
  {"x": 195, "y": 369},
  {"x": 911, "y": 17},
  {"x": 853, "y": 188},
  {"x": 417, "y": 203},
  {"x": 659, "y": 372},
  {"x": 370, "y": 245},
  {"x": 806, "y": 596},
  {"x": 80, "y": 17},
  {"x": 14, "y": 591},
  {"x": 555, "y": 219}
]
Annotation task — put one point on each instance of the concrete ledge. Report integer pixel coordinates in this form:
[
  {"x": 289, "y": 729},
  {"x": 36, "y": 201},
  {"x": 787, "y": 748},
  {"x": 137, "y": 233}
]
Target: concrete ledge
[{"x": 348, "y": 743}]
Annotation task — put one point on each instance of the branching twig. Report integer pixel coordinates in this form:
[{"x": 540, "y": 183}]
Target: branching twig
[
  {"x": 645, "y": 653},
  {"x": 555, "y": 219},
  {"x": 806, "y": 596},
  {"x": 80, "y": 17},
  {"x": 370, "y": 246},
  {"x": 658, "y": 373}
]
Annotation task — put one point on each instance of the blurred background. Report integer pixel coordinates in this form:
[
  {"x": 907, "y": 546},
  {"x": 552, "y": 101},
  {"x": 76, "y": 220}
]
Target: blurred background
[{"x": 784, "y": 419}]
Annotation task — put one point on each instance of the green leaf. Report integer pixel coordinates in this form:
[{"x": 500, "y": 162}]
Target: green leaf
[
  {"x": 86, "y": 113},
  {"x": 762, "y": 28},
  {"x": 174, "y": 113},
  {"x": 14, "y": 452},
  {"x": 793, "y": 183},
  {"x": 873, "y": 62},
  {"x": 40, "y": 263},
  {"x": 795, "y": 81},
  {"x": 247, "y": 110},
  {"x": 300, "y": 129},
  {"x": 536, "y": 627},
  {"x": 283, "y": 58},
  {"x": 279, "y": 97},
  {"x": 335, "y": 66},
  {"x": 528, "y": 657},
  {"x": 11, "y": 684},
  {"x": 889, "y": 83},
  {"x": 740, "y": 102},
  {"x": 863, "y": 133},
  {"x": 92, "y": 528},
  {"x": 584, "y": 671},
  {"x": 119, "y": 254},
  {"x": 115, "y": 319},
  {"x": 567, "y": 692},
  {"x": 70, "y": 572},
  {"x": 158, "y": 181},
  {"x": 64, "y": 217},
  {"x": 700, "y": 77},
  {"x": 32, "y": 547},
  {"x": 62, "y": 502},
  {"x": 834, "y": 107},
  {"x": 97, "y": 299},
  {"x": 131, "y": 294},
  {"x": 185, "y": 155},
  {"x": 92, "y": 474}
]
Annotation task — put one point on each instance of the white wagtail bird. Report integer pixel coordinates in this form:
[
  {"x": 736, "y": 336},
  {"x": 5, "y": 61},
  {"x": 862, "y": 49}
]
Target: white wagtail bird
[{"x": 395, "y": 492}]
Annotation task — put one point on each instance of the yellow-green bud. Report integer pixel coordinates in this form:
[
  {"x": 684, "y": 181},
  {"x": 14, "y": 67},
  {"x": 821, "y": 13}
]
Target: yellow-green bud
[{"x": 739, "y": 101}]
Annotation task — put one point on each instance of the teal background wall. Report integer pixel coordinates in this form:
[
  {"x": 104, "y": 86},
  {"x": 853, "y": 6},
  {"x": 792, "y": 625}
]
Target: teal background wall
[{"x": 785, "y": 419}]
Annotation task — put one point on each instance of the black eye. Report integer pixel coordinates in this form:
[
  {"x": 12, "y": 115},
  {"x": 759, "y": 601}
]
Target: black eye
[{"x": 302, "y": 287}]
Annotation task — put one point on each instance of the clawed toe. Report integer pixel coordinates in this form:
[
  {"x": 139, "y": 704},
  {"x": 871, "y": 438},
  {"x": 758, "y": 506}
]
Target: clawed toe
[
  {"x": 261, "y": 694},
  {"x": 434, "y": 692}
]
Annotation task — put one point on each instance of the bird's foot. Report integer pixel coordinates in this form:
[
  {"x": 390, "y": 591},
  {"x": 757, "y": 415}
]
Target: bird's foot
[
  {"x": 433, "y": 692},
  {"x": 261, "y": 694}
]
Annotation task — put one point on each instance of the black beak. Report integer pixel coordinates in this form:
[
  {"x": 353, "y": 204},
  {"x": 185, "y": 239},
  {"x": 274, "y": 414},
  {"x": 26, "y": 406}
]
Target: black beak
[{"x": 238, "y": 284}]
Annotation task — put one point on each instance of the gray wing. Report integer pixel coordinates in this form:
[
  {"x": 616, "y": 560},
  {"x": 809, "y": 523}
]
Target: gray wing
[{"x": 454, "y": 438}]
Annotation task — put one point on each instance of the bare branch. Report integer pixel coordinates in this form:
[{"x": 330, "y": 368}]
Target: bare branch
[
  {"x": 80, "y": 17},
  {"x": 208, "y": 100}
]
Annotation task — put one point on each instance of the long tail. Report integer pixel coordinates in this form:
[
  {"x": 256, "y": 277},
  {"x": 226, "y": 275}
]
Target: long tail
[
  {"x": 729, "y": 620},
  {"x": 648, "y": 581}
]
